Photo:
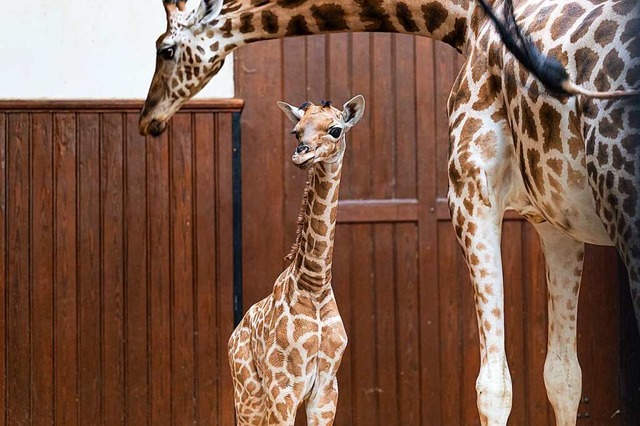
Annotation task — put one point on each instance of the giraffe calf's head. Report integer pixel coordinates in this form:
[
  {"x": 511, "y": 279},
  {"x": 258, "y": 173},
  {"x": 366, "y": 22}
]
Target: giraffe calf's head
[
  {"x": 321, "y": 130},
  {"x": 188, "y": 55}
]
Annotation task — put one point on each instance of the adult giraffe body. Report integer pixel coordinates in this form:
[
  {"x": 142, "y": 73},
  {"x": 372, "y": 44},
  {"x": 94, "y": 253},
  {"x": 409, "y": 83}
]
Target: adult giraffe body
[{"x": 570, "y": 165}]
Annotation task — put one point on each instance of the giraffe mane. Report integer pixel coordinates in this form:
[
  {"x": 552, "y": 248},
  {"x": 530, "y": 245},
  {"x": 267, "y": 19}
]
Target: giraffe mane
[{"x": 302, "y": 217}]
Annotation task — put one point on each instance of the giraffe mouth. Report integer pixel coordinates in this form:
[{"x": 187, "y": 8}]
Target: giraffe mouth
[{"x": 303, "y": 161}]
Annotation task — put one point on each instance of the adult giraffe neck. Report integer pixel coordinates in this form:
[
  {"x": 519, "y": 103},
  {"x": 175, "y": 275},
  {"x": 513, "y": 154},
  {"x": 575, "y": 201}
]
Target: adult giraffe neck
[
  {"x": 312, "y": 254},
  {"x": 248, "y": 21}
]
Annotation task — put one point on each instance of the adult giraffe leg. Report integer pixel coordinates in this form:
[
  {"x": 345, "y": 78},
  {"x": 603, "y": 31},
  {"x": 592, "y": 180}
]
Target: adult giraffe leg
[
  {"x": 480, "y": 242},
  {"x": 562, "y": 375}
]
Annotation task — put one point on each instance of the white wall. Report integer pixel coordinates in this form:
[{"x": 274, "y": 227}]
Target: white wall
[{"x": 75, "y": 49}]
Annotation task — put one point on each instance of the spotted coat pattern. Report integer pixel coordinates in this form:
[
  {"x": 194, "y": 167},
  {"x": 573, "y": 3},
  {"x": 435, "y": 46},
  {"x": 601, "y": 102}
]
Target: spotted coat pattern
[
  {"x": 288, "y": 347},
  {"x": 570, "y": 165}
]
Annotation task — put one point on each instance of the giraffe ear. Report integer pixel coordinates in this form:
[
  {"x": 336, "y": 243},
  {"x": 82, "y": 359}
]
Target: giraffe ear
[
  {"x": 209, "y": 10},
  {"x": 353, "y": 111},
  {"x": 294, "y": 114}
]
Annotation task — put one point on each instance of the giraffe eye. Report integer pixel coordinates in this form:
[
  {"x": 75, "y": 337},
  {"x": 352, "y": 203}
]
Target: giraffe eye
[
  {"x": 335, "y": 132},
  {"x": 167, "y": 53}
]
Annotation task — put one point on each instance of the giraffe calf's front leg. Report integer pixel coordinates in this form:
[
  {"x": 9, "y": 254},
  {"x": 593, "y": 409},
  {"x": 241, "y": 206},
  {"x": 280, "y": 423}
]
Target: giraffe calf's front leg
[{"x": 322, "y": 405}]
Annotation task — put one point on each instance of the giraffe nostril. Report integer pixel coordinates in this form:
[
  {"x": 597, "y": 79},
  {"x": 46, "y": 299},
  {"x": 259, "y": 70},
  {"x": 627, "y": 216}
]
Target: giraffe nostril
[
  {"x": 302, "y": 149},
  {"x": 156, "y": 128}
]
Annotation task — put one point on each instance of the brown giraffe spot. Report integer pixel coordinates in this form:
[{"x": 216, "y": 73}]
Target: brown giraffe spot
[
  {"x": 226, "y": 29},
  {"x": 333, "y": 215},
  {"x": 406, "y": 18},
  {"x": 568, "y": 16},
  {"x": 535, "y": 170},
  {"x": 470, "y": 128},
  {"x": 276, "y": 359},
  {"x": 495, "y": 56},
  {"x": 462, "y": 95},
  {"x": 311, "y": 344},
  {"x": 550, "y": 119},
  {"x": 602, "y": 81},
  {"x": 373, "y": 11},
  {"x": 496, "y": 313},
  {"x": 318, "y": 208},
  {"x": 555, "y": 183},
  {"x": 487, "y": 325},
  {"x": 435, "y": 14},
  {"x": 270, "y": 22},
  {"x": 329, "y": 17},
  {"x": 246, "y": 23},
  {"x": 468, "y": 204},
  {"x": 561, "y": 55},
  {"x": 488, "y": 93},
  {"x": 215, "y": 46},
  {"x": 281, "y": 333},
  {"x": 289, "y": 4},
  {"x": 534, "y": 92},
  {"x": 471, "y": 228},
  {"x": 487, "y": 144},
  {"x": 555, "y": 165},
  {"x": 613, "y": 64},
  {"x": 510, "y": 83},
  {"x": 605, "y": 32},
  {"x": 455, "y": 179},
  {"x": 294, "y": 362},
  {"x": 456, "y": 123},
  {"x": 608, "y": 128},
  {"x": 312, "y": 265},
  {"x": 456, "y": 37},
  {"x": 586, "y": 23},
  {"x": 322, "y": 189},
  {"x": 229, "y": 47},
  {"x": 499, "y": 114},
  {"x": 528, "y": 123},
  {"x": 302, "y": 326},
  {"x": 623, "y": 7},
  {"x": 542, "y": 18},
  {"x": 586, "y": 61},
  {"x": 298, "y": 26},
  {"x": 489, "y": 289}
]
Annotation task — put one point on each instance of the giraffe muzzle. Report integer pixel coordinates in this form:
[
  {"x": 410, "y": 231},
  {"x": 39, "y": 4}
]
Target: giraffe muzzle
[{"x": 303, "y": 156}]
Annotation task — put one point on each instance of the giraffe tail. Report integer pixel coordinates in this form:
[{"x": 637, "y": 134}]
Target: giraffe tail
[{"x": 551, "y": 73}]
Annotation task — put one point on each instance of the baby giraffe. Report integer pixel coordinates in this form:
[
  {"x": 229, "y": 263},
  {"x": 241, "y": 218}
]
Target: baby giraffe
[{"x": 288, "y": 347}]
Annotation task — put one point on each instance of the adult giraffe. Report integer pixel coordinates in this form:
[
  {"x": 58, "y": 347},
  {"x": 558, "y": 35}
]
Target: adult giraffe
[{"x": 569, "y": 164}]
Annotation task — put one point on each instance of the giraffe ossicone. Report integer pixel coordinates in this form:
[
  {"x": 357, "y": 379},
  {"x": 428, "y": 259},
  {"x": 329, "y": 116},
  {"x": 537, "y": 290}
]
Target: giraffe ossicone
[
  {"x": 287, "y": 349},
  {"x": 570, "y": 165}
]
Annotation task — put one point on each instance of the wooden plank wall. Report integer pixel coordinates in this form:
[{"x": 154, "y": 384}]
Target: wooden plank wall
[
  {"x": 399, "y": 277},
  {"x": 115, "y": 265}
]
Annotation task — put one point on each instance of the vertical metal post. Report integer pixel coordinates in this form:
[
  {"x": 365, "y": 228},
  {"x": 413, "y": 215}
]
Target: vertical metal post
[{"x": 237, "y": 219}]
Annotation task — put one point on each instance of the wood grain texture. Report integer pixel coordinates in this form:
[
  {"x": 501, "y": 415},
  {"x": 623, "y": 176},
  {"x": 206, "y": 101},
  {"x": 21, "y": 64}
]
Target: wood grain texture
[{"x": 115, "y": 265}]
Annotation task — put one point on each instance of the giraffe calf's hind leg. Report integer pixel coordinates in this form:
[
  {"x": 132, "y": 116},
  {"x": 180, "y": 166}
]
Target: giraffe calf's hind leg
[{"x": 562, "y": 375}]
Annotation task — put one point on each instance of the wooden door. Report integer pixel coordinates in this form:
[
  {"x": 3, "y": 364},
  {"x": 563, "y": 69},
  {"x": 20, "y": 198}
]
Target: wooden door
[{"x": 399, "y": 277}]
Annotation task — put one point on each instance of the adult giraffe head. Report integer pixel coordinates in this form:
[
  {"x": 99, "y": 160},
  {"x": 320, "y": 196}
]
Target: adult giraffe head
[{"x": 188, "y": 54}]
